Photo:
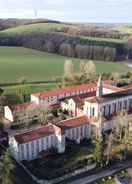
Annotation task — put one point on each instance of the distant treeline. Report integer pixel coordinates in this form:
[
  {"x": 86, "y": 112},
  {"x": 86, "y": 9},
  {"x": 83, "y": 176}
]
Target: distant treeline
[
  {"x": 95, "y": 31},
  {"x": 10, "y": 23},
  {"x": 69, "y": 45}
]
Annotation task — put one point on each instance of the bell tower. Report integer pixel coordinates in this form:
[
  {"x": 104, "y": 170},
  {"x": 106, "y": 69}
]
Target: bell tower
[{"x": 99, "y": 90}]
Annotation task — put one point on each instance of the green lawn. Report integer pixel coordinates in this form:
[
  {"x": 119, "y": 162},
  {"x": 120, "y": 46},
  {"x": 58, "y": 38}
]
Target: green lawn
[
  {"x": 16, "y": 62},
  {"x": 29, "y": 88},
  {"x": 35, "y": 27}
]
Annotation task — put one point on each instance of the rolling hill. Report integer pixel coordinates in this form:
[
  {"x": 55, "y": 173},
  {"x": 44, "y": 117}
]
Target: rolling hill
[
  {"x": 12, "y": 22},
  {"x": 36, "y": 27}
]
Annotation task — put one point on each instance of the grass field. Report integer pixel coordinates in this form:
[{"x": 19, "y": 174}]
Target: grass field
[
  {"x": 30, "y": 88},
  {"x": 16, "y": 62},
  {"x": 39, "y": 27}
]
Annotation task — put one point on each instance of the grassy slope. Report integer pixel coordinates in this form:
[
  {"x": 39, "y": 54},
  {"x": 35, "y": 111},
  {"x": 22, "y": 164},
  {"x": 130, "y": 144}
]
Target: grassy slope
[
  {"x": 125, "y": 29},
  {"x": 16, "y": 62},
  {"x": 35, "y": 27}
]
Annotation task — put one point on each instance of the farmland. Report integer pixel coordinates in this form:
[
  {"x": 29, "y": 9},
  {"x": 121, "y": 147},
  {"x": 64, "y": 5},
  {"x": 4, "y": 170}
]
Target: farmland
[
  {"x": 17, "y": 62},
  {"x": 125, "y": 29},
  {"x": 38, "y": 27}
]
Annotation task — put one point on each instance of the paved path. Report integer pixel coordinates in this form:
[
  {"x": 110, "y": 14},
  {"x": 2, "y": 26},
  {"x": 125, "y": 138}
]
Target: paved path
[
  {"x": 19, "y": 176},
  {"x": 107, "y": 172}
]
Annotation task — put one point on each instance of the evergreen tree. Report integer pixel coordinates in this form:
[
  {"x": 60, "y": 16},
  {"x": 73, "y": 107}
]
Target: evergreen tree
[
  {"x": 5, "y": 169},
  {"x": 98, "y": 151}
]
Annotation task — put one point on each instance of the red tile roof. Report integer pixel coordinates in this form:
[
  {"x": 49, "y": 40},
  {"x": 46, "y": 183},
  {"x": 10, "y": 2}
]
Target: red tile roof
[
  {"x": 78, "y": 101},
  {"x": 113, "y": 88},
  {"x": 69, "y": 89},
  {"x": 73, "y": 122},
  {"x": 35, "y": 134},
  {"x": 82, "y": 96},
  {"x": 127, "y": 87},
  {"x": 22, "y": 106},
  {"x": 108, "y": 97}
]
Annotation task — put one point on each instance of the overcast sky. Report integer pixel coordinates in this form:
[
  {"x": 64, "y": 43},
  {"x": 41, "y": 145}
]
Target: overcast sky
[{"x": 69, "y": 10}]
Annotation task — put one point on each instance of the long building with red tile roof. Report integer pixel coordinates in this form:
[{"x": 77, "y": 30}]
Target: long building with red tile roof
[
  {"x": 35, "y": 134},
  {"x": 28, "y": 145},
  {"x": 55, "y": 95},
  {"x": 76, "y": 128}
]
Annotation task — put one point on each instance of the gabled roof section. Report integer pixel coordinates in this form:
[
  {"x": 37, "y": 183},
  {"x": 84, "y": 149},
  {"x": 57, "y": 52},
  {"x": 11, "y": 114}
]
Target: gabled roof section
[
  {"x": 35, "y": 134},
  {"x": 73, "y": 122}
]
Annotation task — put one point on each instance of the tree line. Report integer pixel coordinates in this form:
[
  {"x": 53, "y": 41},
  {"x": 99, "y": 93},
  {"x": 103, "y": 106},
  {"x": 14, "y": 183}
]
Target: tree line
[
  {"x": 95, "y": 31},
  {"x": 67, "y": 45}
]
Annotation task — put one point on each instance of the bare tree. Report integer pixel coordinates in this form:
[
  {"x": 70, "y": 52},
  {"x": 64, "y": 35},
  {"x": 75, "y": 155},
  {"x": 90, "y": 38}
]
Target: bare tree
[
  {"x": 109, "y": 148},
  {"x": 90, "y": 70},
  {"x": 115, "y": 76},
  {"x": 82, "y": 66},
  {"x": 68, "y": 67},
  {"x": 68, "y": 71},
  {"x": 122, "y": 123},
  {"x": 42, "y": 110},
  {"x": 22, "y": 80},
  {"x": 67, "y": 50}
]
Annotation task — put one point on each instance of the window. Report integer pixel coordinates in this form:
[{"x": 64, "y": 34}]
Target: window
[
  {"x": 77, "y": 131},
  {"x": 32, "y": 147},
  {"x": 22, "y": 151},
  {"x": 37, "y": 145},
  {"x": 93, "y": 111},
  {"x": 72, "y": 132},
  {"x": 47, "y": 142},
  {"x": 81, "y": 131},
  {"x": 120, "y": 105}
]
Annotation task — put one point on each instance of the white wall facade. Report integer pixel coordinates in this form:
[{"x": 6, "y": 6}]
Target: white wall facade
[
  {"x": 54, "y": 99},
  {"x": 8, "y": 113},
  {"x": 78, "y": 133},
  {"x": 34, "y": 99},
  {"x": 31, "y": 150},
  {"x": 91, "y": 109},
  {"x": 107, "y": 91},
  {"x": 107, "y": 108}
]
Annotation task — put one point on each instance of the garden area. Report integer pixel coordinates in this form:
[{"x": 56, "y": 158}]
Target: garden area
[
  {"x": 112, "y": 179},
  {"x": 55, "y": 165}
]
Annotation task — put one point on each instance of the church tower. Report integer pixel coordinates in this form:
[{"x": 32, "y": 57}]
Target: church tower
[{"x": 99, "y": 90}]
